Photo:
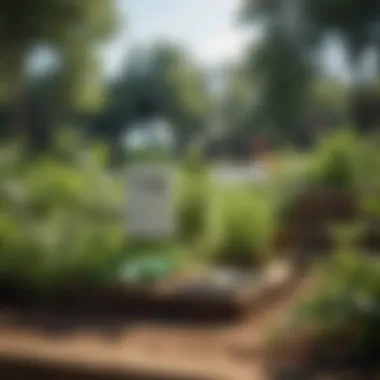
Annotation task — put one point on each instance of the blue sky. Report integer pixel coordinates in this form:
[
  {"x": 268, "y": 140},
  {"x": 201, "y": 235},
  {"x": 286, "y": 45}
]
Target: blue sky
[{"x": 207, "y": 28}]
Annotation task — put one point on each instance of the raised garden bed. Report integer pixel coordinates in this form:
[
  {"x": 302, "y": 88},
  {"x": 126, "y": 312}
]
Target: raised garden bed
[
  {"x": 309, "y": 218},
  {"x": 144, "y": 349},
  {"x": 212, "y": 296}
]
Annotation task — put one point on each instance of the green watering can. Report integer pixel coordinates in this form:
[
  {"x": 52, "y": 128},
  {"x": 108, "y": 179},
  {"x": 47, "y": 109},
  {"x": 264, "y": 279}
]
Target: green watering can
[{"x": 147, "y": 270}]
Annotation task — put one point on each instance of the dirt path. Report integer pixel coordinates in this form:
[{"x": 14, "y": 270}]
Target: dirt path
[{"x": 132, "y": 352}]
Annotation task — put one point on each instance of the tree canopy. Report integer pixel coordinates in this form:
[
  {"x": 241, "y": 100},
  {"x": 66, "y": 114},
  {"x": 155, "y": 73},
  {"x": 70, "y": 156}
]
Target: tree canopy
[
  {"x": 284, "y": 61},
  {"x": 163, "y": 81},
  {"x": 71, "y": 28}
]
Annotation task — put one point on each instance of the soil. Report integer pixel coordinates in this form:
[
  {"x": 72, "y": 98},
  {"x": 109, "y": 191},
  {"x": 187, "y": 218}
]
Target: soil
[
  {"x": 47, "y": 345},
  {"x": 215, "y": 296}
]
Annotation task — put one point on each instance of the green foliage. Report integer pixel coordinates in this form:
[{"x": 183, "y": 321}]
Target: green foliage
[
  {"x": 294, "y": 36},
  {"x": 348, "y": 297},
  {"x": 194, "y": 161},
  {"x": 59, "y": 221},
  {"x": 367, "y": 163},
  {"x": 194, "y": 206},
  {"x": 346, "y": 160},
  {"x": 305, "y": 173},
  {"x": 240, "y": 102},
  {"x": 71, "y": 30},
  {"x": 346, "y": 301},
  {"x": 367, "y": 170},
  {"x": 247, "y": 224},
  {"x": 280, "y": 70},
  {"x": 161, "y": 80},
  {"x": 282, "y": 75},
  {"x": 150, "y": 154},
  {"x": 334, "y": 161},
  {"x": 353, "y": 20},
  {"x": 346, "y": 237}
]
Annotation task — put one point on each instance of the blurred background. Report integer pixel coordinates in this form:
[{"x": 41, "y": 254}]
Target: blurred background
[
  {"x": 225, "y": 73},
  {"x": 268, "y": 111}
]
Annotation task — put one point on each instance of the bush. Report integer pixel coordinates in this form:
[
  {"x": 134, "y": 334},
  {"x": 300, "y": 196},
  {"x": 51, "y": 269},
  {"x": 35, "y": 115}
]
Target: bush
[
  {"x": 346, "y": 302},
  {"x": 193, "y": 208},
  {"x": 334, "y": 161},
  {"x": 367, "y": 163},
  {"x": 337, "y": 321},
  {"x": 350, "y": 299},
  {"x": 194, "y": 162},
  {"x": 247, "y": 227},
  {"x": 59, "y": 221},
  {"x": 324, "y": 192}
]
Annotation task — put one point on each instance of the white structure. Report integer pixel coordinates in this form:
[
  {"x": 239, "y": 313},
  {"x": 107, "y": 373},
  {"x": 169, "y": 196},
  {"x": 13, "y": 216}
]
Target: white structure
[
  {"x": 150, "y": 201},
  {"x": 150, "y": 185}
]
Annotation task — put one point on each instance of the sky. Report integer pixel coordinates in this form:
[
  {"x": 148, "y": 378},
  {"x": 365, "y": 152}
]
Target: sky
[{"x": 208, "y": 29}]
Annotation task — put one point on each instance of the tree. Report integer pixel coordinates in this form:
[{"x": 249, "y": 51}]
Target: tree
[
  {"x": 280, "y": 67},
  {"x": 71, "y": 28},
  {"x": 240, "y": 101},
  {"x": 283, "y": 74},
  {"x": 162, "y": 81},
  {"x": 301, "y": 27},
  {"x": 356, "y": 22}
]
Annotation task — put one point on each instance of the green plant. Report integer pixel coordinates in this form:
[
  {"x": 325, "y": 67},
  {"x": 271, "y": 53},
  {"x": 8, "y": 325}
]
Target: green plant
[
  {"x": 334, "y": 161},
  {"x": 193, "y": 161},
  {"x": 367, "y": 163},
  {"x": 194, "y": 206},
  {"x": 59, "y": 221},
  {"x": 347, "y": 236},
  {"x": 346, "y": 302},
  {"x": 247, "y": 225}
]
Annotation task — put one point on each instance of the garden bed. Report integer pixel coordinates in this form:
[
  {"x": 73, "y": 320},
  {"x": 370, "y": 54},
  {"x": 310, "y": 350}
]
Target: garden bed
[
  {"x": 310, "y": 217},
  {"x": 212, "y": 296},
  {"x": 40, "y": 345}
]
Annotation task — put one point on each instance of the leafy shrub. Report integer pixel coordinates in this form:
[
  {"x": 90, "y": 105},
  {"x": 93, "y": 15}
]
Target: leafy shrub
[
  {"x": 337, "y": 319},
  {"x": 323, "y": 192},
  {"x": 346, "y": 302},
  {"x": 193, "y": 208},
  {"x": 193, "y": 162},
  {"x": 151, "y": 154},
  {"x": 59, "y": 221},
  {"x": 194, "y": 201},
  {"x": 246, "y": 230},
  {"x": 334, "y": 161},
  {"x": 350, "y": 298},
  {"x": 367, "y": 163}
]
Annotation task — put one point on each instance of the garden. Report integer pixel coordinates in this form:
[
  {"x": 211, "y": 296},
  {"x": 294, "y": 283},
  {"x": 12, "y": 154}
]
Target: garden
[
  {"x": 64, "y": 245},
  {"x": 63, "y": 227}
]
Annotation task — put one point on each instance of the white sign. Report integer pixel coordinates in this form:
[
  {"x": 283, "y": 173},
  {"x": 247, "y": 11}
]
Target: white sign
[{"x": 150, "y": 201}]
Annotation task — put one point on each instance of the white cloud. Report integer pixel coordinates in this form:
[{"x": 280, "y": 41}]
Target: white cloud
[{"x": 206, "y": 28}]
